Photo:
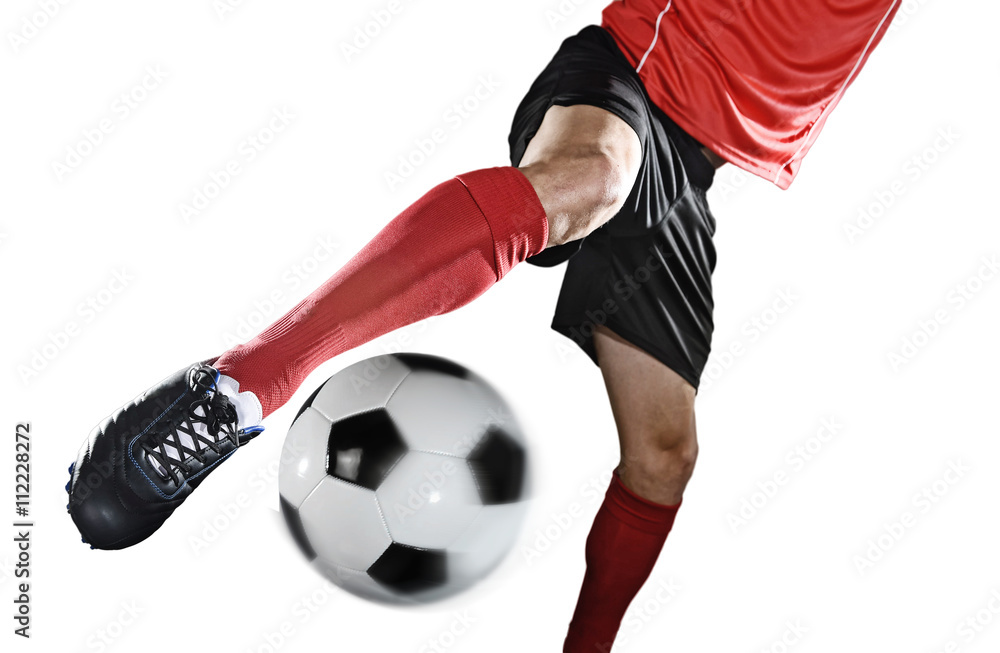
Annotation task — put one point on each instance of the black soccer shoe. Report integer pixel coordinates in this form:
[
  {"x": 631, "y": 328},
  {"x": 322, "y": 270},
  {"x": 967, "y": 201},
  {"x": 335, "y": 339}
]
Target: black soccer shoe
[{"x": 140, "y": 463}]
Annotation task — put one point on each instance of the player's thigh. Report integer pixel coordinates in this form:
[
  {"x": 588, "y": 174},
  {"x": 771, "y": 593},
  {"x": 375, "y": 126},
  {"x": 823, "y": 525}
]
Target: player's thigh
[
  {"x": 582, "y": 163},
  {"x": 579, "y": 130},
  {"x": 653, "y": 407}
]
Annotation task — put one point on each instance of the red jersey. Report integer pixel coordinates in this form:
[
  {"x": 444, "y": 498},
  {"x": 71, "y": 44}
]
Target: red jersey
[{"x": 753, "y": 80}]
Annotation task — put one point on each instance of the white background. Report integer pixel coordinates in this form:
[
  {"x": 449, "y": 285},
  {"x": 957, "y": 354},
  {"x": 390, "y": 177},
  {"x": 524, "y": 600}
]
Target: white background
[{"x": 827, "y": 357}]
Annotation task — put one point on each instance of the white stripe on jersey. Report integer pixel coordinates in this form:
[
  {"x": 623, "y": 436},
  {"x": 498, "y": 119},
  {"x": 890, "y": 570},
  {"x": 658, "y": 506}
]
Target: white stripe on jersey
[
  {"x": 836, "y": 98},
  {"x": 656, "y": 35}
]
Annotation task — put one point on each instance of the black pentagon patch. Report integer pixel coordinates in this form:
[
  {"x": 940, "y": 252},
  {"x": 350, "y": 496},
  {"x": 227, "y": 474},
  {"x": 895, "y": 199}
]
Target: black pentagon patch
[
  {"x": 424, "y": 362},
  {"x": 363, "y": 448},
  {"x": 497, "y": 463},
  {"x": 408, "y": 570},
  {"x": 294, "y": 522},
  {"x": 308, "y": 402}
]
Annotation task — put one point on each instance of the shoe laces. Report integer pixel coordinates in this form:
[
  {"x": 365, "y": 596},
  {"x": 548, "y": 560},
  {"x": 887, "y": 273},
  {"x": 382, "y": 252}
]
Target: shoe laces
[{"x": 209, "y": 421}]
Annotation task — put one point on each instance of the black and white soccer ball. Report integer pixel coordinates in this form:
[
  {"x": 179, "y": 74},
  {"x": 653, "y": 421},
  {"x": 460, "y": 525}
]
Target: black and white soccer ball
[{"x": 404, "y": 478}]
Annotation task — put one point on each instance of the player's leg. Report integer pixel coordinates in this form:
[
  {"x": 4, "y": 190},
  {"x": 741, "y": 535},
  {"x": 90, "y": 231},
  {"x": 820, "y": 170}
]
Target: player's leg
[
  {"x": 582, "y": 162},
  {"x": 439, "y": 254},
  {"x": 653, "y": 408}
]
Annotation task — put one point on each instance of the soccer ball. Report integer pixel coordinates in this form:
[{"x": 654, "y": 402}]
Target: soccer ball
[{"x": 403, "y": 478}]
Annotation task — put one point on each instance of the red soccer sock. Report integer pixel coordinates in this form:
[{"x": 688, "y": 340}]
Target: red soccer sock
[
  {"x": 623, "y": 545},
  {"x": 437, "y": 255}
]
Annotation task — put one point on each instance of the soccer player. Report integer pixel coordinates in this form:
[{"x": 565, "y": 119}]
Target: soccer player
[{"x": 612, "y": 152}]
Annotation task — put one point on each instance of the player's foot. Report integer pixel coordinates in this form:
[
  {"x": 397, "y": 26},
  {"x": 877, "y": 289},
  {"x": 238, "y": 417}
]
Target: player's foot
[{"x": 140, "y": 463}]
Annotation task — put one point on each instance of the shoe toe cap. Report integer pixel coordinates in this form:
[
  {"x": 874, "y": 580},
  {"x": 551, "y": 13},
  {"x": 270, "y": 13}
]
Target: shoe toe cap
[{"x": 102, "y": 514}]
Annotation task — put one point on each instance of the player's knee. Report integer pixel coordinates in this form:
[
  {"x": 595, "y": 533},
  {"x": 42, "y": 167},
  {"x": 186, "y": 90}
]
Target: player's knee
[
  {"x": 663, "y": 466},
  {"x": 580, "y": 190}
]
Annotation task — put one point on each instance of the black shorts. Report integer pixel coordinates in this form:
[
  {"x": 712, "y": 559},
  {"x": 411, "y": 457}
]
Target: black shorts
[{"x": 646, "y": 274}]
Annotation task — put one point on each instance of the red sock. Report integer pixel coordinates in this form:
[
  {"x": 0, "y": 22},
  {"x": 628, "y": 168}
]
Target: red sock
[
  {"x": 623, "y": 545},
  {"x": 437, "y": 255}
]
